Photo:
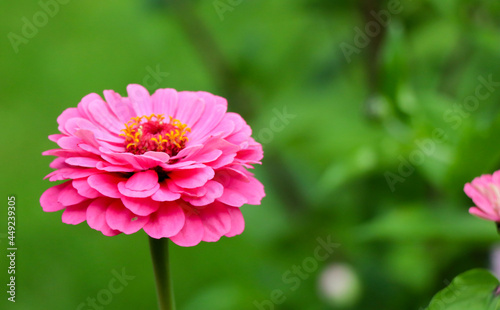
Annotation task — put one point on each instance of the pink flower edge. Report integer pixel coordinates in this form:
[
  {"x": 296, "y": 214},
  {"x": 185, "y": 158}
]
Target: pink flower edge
[{"x": 485, "y": 193}]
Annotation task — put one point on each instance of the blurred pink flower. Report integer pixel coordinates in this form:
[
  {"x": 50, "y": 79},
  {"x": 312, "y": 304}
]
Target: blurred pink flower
[
  {"x": 485, "y": 192},
  {"x": 173, "y": 164}
]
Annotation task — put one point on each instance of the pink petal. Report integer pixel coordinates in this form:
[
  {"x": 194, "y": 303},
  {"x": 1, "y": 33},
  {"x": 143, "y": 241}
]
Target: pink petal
[
  {"x": 75, "y": 214},
  {"x": 206, "y": 156},
  {"x": 256, "y": 193},
  {"x": 104, "y": 117},
  {"x": 56, "y": 137},
  {"x": 480, "y": 200},
  {"x": 72, "y": 125},
  {"x": 138, "y": 162},
  {"x": 96, "y": 216},
  {"x": 141, "y": 184},
  {"x": 142, "y": 181},
  {"x": 242, "y": 131},
  {"x": 237, "y": 121},
  {"x": 106, "y": 184},
  {"x": 237, "y": 222},
  {"x": 84, "y": 105},
  {"x": 82, "y": 161},
  {"x": 164, "y": 193},
  {"x": 192, "y": 192},
  {"x": 213, "y": 191},
  {"x": 110, "y": 146},
  {"x": 69, "y": 196},
  {"x": 161, "y": 156},
  {"x": 140, "y": 99},
  {"x": 118, "y": 105},
  {"x": 65, "y": 116},
  {"x": 188, "y": 151},
  {"x": 216, "y": 222},
  {"x": 165, "y": 101},
  {"x": 104, "y": 166},
  {"x": 480, "y": 213},
  {"x": 215, "y": 108},
  {"x": 232, "y": 197},
  {"x": 192, "y": 232},
  {"x": 84, "y": 189},
  {"x": 120, "y": 218},
  {"x": 89, "y": 148},
  {"x": 224, "y": 127},
  {"x": 238, "y": 189},
  {"x": 191, "y": 178},
  {"x": 65, "y": 153},
  {"x": 49, "y": 199},
  {"x": 140, "y": 206},
  {"x": 211, "y": 99},
  {"x": 58, "y": 163},
  {"x": 253, "y": 154},
  {"x": 191, "y": 108},
  {"x": 224, "y": 160},
  {"x": 87, "y": 137},
  {"x": 69, "y": 143},
  {"x": 216, "y": 152},
  {"x": 71, "y": 173},
  {"x": 181, "y": 165},
  {"x": 166, "y": 222},
  {"x": 495, "y": 177}
]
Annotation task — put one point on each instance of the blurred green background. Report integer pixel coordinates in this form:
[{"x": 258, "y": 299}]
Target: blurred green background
[{"x": 355, "y": 160}]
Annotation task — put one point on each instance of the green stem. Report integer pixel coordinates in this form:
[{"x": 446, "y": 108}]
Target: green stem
[{"x": 164, "y": 289}]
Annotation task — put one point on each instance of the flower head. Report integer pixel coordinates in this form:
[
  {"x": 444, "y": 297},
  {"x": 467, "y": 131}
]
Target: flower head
[
  {"x": 485, "y": 192},
  {"x": 173, "y": 164}
]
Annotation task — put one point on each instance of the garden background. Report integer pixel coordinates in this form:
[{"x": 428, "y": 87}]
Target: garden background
[{"x": 372, "y": 114}]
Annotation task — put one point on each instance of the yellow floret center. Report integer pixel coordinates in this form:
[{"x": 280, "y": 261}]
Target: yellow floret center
[{"x": 152, "y": 133}]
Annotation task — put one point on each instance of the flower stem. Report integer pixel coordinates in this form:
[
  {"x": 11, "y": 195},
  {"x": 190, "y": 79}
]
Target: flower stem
[{"x": 164, "y": 289}]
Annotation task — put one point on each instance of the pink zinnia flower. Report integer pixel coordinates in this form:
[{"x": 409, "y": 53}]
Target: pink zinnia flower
[
  {"x": 485, "y": 192},
  {"x": 173, "y": 164}
]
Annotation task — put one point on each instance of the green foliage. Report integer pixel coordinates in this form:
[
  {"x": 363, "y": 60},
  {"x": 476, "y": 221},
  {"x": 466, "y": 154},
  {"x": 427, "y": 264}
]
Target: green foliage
[{"x": 472, "y": 290}]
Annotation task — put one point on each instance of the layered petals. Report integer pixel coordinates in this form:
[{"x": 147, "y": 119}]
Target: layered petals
[
  {"x": 75, "y": 214},
  {"x": 216, "y": 222},
  {"x": 239, "y": 188},
  {"x": 237, "y": 222},
  {"x": 120, "y": 218},
  {"x": 140, "y": 206},
  {"x": 59, "y": 197},
  {"x": 141, "y": 184},
  {"x": 192, "y": 178},
  {"x": 166, "y": 222},
  {"x": 96, "y": 216},
  {"x": 173, "y": 164},
  {"x": 192, "y": 232}
]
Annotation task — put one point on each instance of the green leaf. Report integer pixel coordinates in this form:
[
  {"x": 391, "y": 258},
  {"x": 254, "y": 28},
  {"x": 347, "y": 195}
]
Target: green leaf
[{"x": 472, "y": 290}]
